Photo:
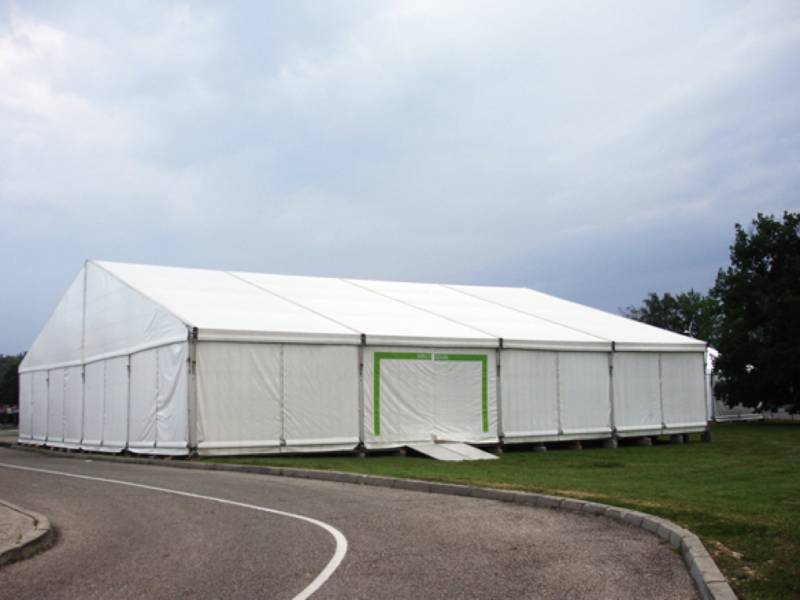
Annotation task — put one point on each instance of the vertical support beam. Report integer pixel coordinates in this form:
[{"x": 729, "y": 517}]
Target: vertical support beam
[
  {"x": 499, "y": 392},
  {"x": 128, "y": 404},
  {"x": 192, "y": 391},
  {"x": 282, "y": 392},
  {"x": 558, "y": 393},
  {"x": 361, "y": 351},
  {"x": 661, "y": 392},
  {"x": 47, "y": 415},
  {"x": 706, "y": 384},
  {"x": 612, "y": 411}
]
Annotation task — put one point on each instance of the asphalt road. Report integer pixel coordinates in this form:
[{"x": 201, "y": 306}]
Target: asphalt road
[{"x": 118, "y": 541}]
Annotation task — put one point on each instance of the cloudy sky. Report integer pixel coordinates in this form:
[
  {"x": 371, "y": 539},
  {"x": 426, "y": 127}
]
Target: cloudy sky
[{"x": 596, "y": 151}]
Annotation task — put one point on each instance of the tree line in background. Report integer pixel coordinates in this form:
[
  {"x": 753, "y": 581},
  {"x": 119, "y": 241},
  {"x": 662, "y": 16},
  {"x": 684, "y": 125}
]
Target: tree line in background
[
  {"x": 751, "y": 315},
  {"x": 9, "y": 381}
]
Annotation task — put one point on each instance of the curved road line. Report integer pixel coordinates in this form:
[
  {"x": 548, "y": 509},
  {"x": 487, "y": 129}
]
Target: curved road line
[{"x": 319, "y": 580}]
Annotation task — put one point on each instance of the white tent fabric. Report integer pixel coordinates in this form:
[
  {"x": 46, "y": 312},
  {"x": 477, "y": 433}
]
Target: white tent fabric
[
  {"x": 73, "y": 406},
  {"x": 167, "y": 360},
  {"x": 235, "y": 380},
  {"x": 416, "y": 395},
  {"x": 25, "y": 407},
  {"x": 625, "y": 333},
  {"x": 55, "y": 407},
  {"x": 517, "y": 329},
  {"x": 142, "y": 401},
  {"x": 583, "y": 392},
  {"x": 683, "y": 391},
  {"x": 637, "y": 393},
  {"x": 39, "y": 396},
  {"x": 529, "y": 392}
]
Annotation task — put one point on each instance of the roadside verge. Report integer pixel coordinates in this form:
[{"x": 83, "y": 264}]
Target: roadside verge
[{"x": 28, "y": 532}]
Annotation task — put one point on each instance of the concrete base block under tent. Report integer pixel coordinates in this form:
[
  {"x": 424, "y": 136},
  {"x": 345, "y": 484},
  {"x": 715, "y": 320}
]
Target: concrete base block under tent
[{"x": 160, "y": 360}]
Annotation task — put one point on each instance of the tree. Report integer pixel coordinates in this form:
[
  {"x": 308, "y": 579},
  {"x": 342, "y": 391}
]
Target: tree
[
  {"x": 9, "y": 382},
  {"x": 759, "y": 294},
  {"x": 689, "y": 313}
]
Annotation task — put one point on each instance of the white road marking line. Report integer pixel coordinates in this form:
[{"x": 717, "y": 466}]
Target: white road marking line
[{"x": 324, "y": 575}]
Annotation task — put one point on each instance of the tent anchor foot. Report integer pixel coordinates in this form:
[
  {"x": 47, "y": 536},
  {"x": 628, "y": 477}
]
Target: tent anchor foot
[
  {"x": 610, "y": 443},
  {"x": 676, "y": 438},
  {"x": 706, "y": 436},
  {"x": 576, "y": 445},
  {"x": 644, "y": 441},
  {"x": 540, "y": 448}
]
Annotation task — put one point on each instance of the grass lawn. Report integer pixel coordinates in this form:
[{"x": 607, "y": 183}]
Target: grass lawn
[{"x": 740, "y": 494}]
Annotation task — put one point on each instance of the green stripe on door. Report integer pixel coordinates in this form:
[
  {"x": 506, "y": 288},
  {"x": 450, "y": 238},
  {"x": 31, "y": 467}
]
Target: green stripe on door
[{"x": 376, "y": 380}]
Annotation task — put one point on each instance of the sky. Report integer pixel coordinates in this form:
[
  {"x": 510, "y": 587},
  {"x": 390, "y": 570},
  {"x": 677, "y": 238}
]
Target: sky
[{"x": 596, "y": 151}]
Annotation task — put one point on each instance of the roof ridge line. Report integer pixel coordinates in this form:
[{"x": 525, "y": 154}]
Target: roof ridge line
[
  {"x": 414, "y": 306},
  {"x": 530, "y": 314},
  {"x": 290, "y": 301}
]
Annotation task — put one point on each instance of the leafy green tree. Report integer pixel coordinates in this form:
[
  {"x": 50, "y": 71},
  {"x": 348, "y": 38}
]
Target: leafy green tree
[
  {"x": 9, "y": 382},
  {"x": 759, "y": 294},
  {"x": 689, "y": 313}
]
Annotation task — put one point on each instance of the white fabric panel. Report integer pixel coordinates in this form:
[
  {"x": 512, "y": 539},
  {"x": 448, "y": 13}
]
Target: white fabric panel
[
  {"x": 586, "y": 319},
  {"x": 637, "y": 393},
  {"x": 39, "y": 395},
  {"x": 172, "y": 413},
  {"x": 405, "y": 400},
  {"x": 238, "y": 395},
  {"x": 529, "y": 382},
  {"x": 25, "y": 406},
  {"x": 490, "y": 318},
  {"x": 583, "y": 392},
  {"x": 421, "y": 398},
  {"x": 217, "y": 300},
  {"x": 55, "y": 406},
  {"x": 60, "y": 340},
  {"x": 682, "y": 389},
  {"x": 94, "y": 393},
  {"x": 73, "y": 406},
  {"x": 365, "y": 311},
  {"x": 458, "y": 401},
  {"x": 320, "y": 394},
  {"x": 143, "y": 393},
  {"x": 115, "y": 411},
  {"x": 119, "y": 319}
]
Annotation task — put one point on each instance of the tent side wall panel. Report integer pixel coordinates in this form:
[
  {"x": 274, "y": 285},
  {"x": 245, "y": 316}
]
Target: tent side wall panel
[
  {"x": 419, "y": 394},
  {"x": 637, "y": 393},
  {"x": 39, "y": 395},
  {"x": 320, "y": 395},
  {"x": 683, "y": 391},
  {"x": 25, "y": 407},
  {"x": 529, "y": 392},
  {"x": 238, "y": 397},
  {"x": 55, "y": 407},
  {"x": 143, "y": 397},
  {"x": 583, "y": 391},
  {"x": 115, "y": 404},
  {"x": 93, "y": 399},
  {"x": 73, "y": 406}
]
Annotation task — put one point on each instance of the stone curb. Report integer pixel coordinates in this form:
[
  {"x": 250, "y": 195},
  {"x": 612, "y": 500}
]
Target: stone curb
[
  {"x": 710, "y": 581},
  {"x": 35, "y": 540}
]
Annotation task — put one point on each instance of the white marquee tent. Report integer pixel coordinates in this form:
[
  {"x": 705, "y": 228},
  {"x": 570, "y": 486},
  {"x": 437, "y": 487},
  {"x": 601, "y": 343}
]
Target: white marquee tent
[{"x": 163, "y": 360}]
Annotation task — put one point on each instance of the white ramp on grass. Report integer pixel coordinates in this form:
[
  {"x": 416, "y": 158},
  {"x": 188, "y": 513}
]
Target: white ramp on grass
[{"x": 452, "y": 451}]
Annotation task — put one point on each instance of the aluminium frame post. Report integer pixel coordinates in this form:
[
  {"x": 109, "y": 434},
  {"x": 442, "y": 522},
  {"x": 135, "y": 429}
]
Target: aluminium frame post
[
  {"x": 361, "y": 423},
  {"x": 191, "y": 408}
]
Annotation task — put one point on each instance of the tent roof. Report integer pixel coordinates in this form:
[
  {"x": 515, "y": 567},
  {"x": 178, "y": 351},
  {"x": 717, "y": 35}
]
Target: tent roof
[{"x": 235, "y": 305}]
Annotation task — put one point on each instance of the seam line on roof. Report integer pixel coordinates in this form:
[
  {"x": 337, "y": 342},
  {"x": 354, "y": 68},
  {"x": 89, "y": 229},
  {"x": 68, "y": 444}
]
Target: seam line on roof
[
  {"x": 135, "y": 290},
  {"x": 435, "y": 314},
  {"x": 529, "y": 313},
  {"x": 290, "y": 301}
]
